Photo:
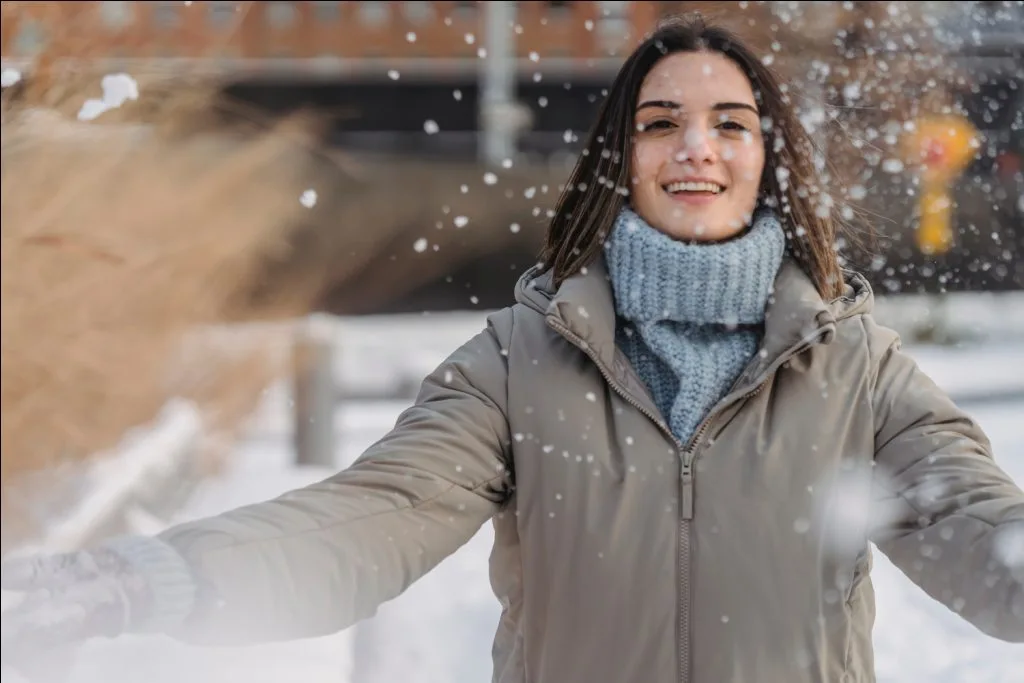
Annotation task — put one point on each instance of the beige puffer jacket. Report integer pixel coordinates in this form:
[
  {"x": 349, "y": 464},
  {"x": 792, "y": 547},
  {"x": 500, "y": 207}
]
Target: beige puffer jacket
[{"x": 621, "y": 554}]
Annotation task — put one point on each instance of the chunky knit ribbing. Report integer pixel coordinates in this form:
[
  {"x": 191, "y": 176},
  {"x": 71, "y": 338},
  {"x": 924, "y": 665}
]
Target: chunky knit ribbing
[
  {"x": 170, "y": 582},
  {"x": 691, "y": 314}
]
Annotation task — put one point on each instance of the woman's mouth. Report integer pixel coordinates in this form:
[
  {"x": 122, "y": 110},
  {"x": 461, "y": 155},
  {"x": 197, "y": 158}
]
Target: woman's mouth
[{"x": 694, "y": 192}]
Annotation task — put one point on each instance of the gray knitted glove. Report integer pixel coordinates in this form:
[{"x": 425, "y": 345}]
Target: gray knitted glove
[{"x": 129, "y": 585}]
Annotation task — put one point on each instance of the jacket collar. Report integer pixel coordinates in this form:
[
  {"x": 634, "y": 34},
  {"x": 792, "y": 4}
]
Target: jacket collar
[{"x": 796, "y": 315}]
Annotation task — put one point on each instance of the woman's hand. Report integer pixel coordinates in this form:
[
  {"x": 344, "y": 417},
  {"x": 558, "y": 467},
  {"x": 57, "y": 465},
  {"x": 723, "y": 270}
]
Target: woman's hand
[{"x": 68, "y": 598}]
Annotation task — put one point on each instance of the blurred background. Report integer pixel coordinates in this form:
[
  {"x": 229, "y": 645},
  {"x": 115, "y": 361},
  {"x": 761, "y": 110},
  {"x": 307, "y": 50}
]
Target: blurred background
[{"x": 349, "y": 187}]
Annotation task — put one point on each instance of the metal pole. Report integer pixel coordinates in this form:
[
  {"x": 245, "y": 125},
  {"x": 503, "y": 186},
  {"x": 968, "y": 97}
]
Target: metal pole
[
  {"x": 498, "y": 83},
  {"x": 314, "y": 394}
]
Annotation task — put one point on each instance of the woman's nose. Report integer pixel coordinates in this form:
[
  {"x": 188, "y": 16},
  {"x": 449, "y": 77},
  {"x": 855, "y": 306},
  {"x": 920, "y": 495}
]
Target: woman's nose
[{"x": 697, "y": 146}]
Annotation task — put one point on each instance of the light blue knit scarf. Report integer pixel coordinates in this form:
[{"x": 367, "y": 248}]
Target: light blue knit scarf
[{"x": 691, "y": 314}]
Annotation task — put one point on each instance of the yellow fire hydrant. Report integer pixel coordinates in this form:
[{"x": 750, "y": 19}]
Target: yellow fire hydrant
[{"x": 941, "y": 146}]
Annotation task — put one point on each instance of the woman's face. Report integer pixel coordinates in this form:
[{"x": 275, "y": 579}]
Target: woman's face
[{"x": 698, "y": 150}]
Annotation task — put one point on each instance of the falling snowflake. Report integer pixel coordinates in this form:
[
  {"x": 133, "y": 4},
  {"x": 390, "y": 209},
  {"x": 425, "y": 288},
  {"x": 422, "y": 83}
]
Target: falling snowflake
[
  {"x": 892, "y": 166},
  {"x": 308, "y": 199},
  {"x": 117, "y": 89},
  {"x": 9, "y": 77},
  {"x": 420, "y": 245},
  {"x": 1009, "y": 548}
]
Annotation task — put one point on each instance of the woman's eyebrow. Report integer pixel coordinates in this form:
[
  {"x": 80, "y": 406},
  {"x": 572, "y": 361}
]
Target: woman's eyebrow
[
  {"x": 659, "y": 104},
  {"x": 717, "y": 106},
  {"x": 723, "y": 106}
]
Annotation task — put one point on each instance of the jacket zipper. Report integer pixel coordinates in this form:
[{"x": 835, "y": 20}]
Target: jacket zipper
[
  {"x": 688, "y": 453},
  {"x": 685, "y": 535}
]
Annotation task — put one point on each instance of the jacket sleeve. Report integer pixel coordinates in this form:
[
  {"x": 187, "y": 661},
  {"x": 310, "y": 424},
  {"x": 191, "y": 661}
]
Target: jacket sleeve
[
  {"x": 318, "y": 559},
  {"x": 945, "y": 513}
]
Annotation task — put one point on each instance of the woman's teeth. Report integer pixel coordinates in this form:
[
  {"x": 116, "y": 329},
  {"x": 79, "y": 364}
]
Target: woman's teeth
[{"x": 714, "y": 188}]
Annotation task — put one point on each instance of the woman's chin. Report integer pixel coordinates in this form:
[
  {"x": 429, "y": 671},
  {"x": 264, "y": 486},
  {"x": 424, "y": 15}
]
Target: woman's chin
[{"x": 695, "y": 231}]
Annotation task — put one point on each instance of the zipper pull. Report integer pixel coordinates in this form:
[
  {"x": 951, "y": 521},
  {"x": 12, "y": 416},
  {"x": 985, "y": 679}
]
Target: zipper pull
[{"x": 687, "y": 502}]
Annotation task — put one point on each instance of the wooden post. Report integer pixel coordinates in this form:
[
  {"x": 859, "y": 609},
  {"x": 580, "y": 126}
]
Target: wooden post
[{"x": 314, "y": 393}]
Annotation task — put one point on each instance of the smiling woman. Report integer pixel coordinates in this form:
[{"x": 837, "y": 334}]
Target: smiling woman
[
  {"x": 695, "y": 105},
  {"x": 686, "y": 433},
  {"x": 699, "y": 154}
]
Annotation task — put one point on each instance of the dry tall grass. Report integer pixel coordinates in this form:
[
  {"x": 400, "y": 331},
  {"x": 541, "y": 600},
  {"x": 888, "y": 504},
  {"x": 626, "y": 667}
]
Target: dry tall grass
[{"x": 119, "y": 242}]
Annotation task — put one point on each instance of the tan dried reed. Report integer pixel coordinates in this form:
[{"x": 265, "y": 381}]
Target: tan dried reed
[{"x": 122, "y": 238}]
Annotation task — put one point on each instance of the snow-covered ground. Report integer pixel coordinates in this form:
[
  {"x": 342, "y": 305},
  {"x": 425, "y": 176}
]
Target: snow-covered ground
[{"x": 440, "y": 630}]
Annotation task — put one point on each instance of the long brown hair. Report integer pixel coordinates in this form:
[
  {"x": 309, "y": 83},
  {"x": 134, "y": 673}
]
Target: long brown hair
[{"x": 598, "y": 185}]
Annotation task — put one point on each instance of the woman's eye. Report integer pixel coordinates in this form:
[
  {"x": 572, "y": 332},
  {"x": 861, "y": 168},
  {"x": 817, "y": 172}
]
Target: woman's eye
[
  {"x": 732, "y": 125},
  {"x": 656, "y": 125}
]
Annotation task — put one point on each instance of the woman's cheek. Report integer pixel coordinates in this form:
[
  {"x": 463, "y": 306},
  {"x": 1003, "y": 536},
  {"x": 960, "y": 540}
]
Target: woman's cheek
[
  {"x": 647, "y": 161},
  {"x": 746, "y": 161}
]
